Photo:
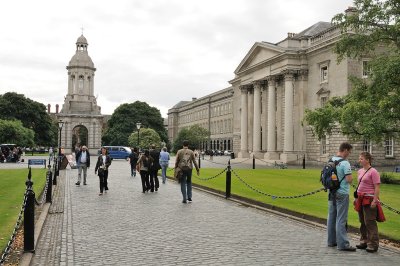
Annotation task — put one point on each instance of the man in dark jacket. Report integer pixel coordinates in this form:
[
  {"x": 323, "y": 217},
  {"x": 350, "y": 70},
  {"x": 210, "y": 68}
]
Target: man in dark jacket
[
  {"x": 155, "y": 154},
  {"x": 83, "y": 163}
]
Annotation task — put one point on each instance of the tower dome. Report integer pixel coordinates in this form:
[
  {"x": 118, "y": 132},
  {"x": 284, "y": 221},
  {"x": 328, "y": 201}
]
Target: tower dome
[{"x": 81, "y": 57}]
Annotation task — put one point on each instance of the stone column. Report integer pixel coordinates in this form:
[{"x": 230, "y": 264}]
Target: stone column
[
  {"x": 288, "y": 134},
  {"x": 243, "y": 122},
  {"x": 250, "y": 118},
  {"x": 264, "y": 120},
  {"x": 257, "y": 117},
  {"x": 69, "y": 83},
  {"x": 271, "y": 145}
]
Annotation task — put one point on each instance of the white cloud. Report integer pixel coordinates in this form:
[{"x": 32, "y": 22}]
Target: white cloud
[{"x": 156, "y": 51}]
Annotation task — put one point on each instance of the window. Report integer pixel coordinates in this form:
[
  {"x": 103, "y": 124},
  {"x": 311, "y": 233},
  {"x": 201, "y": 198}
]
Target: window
[
  {"x": 367, "y": 146},
  {"x": 365, "y": 69},
  {"x": 389, "y": 147},
  {"x": 324, "y": 100},
  {"x": 80, "y": 84},
  {"x": 324, "y": 73},
  {"x": 323, "y": 145}
]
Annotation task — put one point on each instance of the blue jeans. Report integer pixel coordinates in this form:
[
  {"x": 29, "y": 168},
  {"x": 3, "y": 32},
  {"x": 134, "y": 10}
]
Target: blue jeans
[
  {"x": 186, "y": 184},
  {"x": 164, "y": 166},
  {"x": 338, "y": 206},
  {"x": 133, "y": 169}
]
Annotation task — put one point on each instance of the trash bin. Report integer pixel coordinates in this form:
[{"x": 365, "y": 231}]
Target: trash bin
[{"x": 232, "y": 155}]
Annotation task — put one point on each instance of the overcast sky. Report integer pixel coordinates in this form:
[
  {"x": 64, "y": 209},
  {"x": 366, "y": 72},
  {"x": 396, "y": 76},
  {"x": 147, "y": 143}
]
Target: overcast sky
[{"x": 157, "y": 51}]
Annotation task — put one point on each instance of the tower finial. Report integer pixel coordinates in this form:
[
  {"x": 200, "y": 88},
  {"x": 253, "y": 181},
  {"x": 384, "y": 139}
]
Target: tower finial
[{"x": 82, "y": 30}]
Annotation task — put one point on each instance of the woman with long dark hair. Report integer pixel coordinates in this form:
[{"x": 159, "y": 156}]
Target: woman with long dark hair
[{"x": 103, "y": 162}]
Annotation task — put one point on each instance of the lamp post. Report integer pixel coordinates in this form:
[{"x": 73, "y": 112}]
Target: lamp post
[
  {"x": 138, "y": 125},
  {"x": 60, "y": 126}
]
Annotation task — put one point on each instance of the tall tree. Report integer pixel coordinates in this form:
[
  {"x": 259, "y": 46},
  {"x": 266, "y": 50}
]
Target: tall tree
[
  {"x": 123, "y": 122},
  {"x": 13, "y": 132},
  {"x": 147, "y": 137},
  {"x": 194, "y": 134},
  {"x": 371, "y": 110},
  {"x": 32, "y": 114}
]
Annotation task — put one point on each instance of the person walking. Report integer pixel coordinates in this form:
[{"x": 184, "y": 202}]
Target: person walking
[
  {"x": 142, "y": 166},
  {"x": 338, "y": 203},
  {"x": 83, "y": 163},
  {"x": 102, "y": 165},
  {"x": 154, "y": 167},
  {"x": 367, "y": 203},
  {"x": 133, "y": 158},
  {"x": 164, "y": 161},
  {"x": 184, "y": 161}
]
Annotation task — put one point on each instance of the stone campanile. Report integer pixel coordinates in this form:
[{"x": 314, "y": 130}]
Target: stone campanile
[{"x": 80, "y": 113}]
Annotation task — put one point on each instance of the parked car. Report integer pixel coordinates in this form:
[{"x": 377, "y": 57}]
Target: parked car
[
  {"x": 227, "y": 152},
  {"x": 118, "y": 152}
]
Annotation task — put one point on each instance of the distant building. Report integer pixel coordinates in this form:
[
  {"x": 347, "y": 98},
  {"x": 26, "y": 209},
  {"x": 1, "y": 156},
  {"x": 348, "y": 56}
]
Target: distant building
[
  {"x": 83, "y": 121},
  {"x": 262, "y": 113}
]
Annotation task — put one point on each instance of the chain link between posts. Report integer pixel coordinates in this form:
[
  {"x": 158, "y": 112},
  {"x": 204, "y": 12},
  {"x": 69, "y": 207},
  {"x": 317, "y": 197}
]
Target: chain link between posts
[
  {"x": 209, "y": 178},
  {"x": 16, "y": 227}
]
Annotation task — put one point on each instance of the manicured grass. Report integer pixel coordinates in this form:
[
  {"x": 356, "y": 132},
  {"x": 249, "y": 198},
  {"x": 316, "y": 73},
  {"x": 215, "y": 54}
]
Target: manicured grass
[
  {"x": 290, "y": 182},
  {"x": 12, "y": 189}
]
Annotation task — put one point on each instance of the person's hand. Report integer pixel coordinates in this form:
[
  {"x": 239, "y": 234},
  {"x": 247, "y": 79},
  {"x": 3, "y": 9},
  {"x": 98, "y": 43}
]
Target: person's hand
[
  {"x": 373, "y": 204},
  {"x": 198, "y": 172}
]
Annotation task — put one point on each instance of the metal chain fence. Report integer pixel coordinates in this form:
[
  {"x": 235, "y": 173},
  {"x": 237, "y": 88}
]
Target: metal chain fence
[
  {"x": 275, "y": 196},
  {"x": 16, "y": 227},
  {"x": 43, "y": 200},
  {"x": 209, "y": 178}
]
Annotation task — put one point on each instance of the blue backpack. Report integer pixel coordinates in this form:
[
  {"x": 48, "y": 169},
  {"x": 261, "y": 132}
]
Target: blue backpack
[{"x": 329, "y": 177}]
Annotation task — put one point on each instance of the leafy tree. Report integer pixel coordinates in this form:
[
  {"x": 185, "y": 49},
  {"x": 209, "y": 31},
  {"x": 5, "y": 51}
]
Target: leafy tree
[
  {"x": 12, "y": 131},
  {"x": 194, "y": 134},
  {"x": 147, "y": 137},
  {"x": 32, "y": 114},
  {"x": 123, "y": 122},
  {"x": 371, "y": 110}
]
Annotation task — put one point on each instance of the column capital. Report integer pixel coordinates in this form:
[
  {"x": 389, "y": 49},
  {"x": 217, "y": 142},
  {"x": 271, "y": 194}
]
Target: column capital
[
  {"x": 303, "y": 74},
  {"x": 271, "y": 80},
  {"x": 289, "y": 74},
  {"x": 243, "y": 88},
  {"x": 258, "y": 83}
]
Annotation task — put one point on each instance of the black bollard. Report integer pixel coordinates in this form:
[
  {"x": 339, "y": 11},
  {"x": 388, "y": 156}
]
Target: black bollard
[
  {"x": 254, "y": 162},
  {"x": 49, "y": 185},
  {"x": 304, "y": 161},
  {"x": 56, "y": 170},
  {"x": 29, "y": 217},
  {"x": 199, "y": 162},
  {"x": 228, "y": 181}
]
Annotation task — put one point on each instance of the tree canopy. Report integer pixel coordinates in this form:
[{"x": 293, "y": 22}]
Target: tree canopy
[
  {"x": 32, "y": 115},
  {"x": 147, "y": 137},
  {"x": 123, "y": 122},
  {"x": 13, "y": 132},
  {"x": 194, "y": 134},
  {"x": 371, "y": 110}
]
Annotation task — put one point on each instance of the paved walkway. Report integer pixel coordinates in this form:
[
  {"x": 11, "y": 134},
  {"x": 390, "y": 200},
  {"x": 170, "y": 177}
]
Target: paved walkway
[{"x": 127, "y": 227}]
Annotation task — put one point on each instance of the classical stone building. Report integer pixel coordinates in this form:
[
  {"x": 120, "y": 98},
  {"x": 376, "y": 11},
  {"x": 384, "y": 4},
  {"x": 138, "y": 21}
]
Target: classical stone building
[
  {"x": 83, "y": 121},
  {"x": 273, "y": 86}
]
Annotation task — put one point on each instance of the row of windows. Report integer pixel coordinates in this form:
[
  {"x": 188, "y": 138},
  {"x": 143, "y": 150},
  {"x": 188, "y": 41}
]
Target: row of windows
[
  {"x": 324, "y": 71},
  {"x": 222, "y": 109},
  {"x": 366, "y": 146},
  {"x": 221, "y": 126}
]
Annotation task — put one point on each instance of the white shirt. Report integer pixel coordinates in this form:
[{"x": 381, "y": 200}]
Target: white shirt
[{"x": 83, "y": 157}]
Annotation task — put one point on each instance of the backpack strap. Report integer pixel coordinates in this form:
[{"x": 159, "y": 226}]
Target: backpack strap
[{"x": 336, "y": 163}]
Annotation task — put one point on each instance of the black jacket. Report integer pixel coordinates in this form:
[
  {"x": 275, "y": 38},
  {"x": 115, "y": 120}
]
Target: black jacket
[
  {"x": 155, "y": 154},
  {"x": 100, "y": 162},
  {"x": 78, "y": 157}
]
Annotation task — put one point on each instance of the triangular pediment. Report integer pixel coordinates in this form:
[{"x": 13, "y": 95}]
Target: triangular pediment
[{"x": 260, "y": 52}]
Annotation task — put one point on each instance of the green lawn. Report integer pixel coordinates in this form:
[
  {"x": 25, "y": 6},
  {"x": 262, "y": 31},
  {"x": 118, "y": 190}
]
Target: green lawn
[
  {"x": 289, "y": 182},
  {"x": 12, "y": 189}
]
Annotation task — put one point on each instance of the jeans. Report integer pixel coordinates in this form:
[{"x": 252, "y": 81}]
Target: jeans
[
  {"x": 103, "y": 181},
  {"x": 338, "y": 207},
  {"x": 144, "y": 176},
  {"x": 82, "y": 166},
  {"x": 153, "y": 174},
  {"x": 164, "y": 166},
  {"x": 133, "y": 169},
  {"x": 186, "y": 184}
]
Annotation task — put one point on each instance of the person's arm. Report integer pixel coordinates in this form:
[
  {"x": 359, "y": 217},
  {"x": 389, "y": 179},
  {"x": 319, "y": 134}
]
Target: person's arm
[
  {"x": 347, "y": 171},
  {"x": 376, "y": 195},
  {"x": 349, "y": 178},
  {"x": 195, "y": 163},
  {"x": 177, "y": 159}
]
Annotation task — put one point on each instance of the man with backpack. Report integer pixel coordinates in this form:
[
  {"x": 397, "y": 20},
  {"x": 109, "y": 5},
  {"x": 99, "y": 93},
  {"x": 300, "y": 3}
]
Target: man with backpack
[
  {"x": 338, "y": 204},
  {"x": 184, "y": 161}
]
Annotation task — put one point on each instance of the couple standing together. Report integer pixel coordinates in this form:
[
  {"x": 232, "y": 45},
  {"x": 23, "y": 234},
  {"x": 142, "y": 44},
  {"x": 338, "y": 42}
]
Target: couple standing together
[{"x": 367, "y": 202}]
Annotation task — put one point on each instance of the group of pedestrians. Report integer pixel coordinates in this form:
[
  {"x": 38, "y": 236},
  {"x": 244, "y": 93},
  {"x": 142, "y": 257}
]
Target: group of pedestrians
[{"x": 366, "y": 203}]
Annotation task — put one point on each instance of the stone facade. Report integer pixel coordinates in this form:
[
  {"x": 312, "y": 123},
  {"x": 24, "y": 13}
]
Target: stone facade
[
  {"x": 83, "y": 121},
  {"x": 273, "y": 86}
]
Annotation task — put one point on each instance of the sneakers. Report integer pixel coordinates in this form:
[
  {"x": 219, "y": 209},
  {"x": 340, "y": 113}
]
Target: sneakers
[
  {"x": 84, "y": 184},
  {"x": 78, "y": 183},
  {"x": 184, "y": 201},
  {"x": 371, "y": 250},
  {"x": 101, "y": 194},
  {"x": 190, "y": 200},
  {"x": 349, "y": 248},
  {"x": 362, "y": 246}
]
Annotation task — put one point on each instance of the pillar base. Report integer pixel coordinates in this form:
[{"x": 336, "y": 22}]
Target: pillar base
[
  {"x": 257, "y": 155},
  {"x": 243, "y": 154},
  {"x": 289, "y": 157},
  {"x": 271, "y": 155}
]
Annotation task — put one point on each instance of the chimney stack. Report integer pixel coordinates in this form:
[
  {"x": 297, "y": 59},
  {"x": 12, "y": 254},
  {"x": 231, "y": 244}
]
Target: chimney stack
[
  {"x": 57, "y": 108},
  {"x": 48, "y": 108}
]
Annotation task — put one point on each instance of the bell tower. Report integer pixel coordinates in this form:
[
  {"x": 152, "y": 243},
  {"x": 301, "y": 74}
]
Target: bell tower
[{"x": 80, "y": 113}]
